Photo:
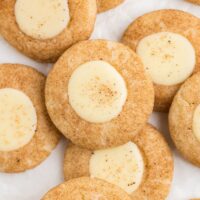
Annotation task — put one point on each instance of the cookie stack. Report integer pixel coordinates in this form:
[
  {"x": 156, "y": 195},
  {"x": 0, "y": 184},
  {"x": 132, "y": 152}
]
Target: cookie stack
[
  {"x": 99, "y": 95},
  {"x": 170, "y": 52}
]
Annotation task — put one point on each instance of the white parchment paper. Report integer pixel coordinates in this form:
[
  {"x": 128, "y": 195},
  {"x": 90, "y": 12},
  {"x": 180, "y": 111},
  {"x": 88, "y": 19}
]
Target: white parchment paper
[{"x": 33, "y": 184}]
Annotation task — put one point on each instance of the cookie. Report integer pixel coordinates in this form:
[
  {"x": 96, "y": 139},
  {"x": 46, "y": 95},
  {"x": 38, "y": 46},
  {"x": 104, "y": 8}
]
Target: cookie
[
  {"x": 168, "y": 43},
  {"x": 194, "y": 1},
  {"x": 27, "y": 136},
  {"x": 104, "y": 5},
  {"x": 98, "y": 94},
  {"x": 184, "y": 120},
  {"x": 86, "y": 188},
  {"x": 143, "y": 167},
  {"x": 43, "y": 29}
]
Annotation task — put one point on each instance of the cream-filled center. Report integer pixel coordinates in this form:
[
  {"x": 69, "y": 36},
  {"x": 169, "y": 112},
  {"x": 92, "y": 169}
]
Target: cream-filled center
[
  {"x": 18, "y": 119},
  {"x": 97, "y": 92},
  {"x": 42, "y": 19},
  {"x": 168, "y": 57},
  {"x": 122, "y": 166},
  {"x": 196, "y": 122}
]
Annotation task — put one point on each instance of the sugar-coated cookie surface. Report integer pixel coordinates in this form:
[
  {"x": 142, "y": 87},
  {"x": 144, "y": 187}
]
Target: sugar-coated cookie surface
[
  {"x": 45, "y": 38},
  {"x": 184, "y": 119},
  {"x": 194, "y": 1},
  {"x": 24, "y": 153},
  {"x": 157, "y": 158},
  {"x": 101, "y": 94},
  {"x": 87, "y": 189},
  {"x": 104, "y": 5},
  {"x": 179, "y": 25}
]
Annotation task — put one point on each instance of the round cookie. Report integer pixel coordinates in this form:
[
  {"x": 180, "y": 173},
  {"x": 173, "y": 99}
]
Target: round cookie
[
  {"x": 45, "y": 36},
  {"x": 27, "y": 136},
  {"x": 98, "y": 94},
  {"x": 86, "y": 188},
  {"x": 168, "y": 43},
  {"x": 157, "y": 165},
  {"x": 184, "y": 119},
  {"x": 194, "y": 1},
  {"x": 104, "y": 5}
]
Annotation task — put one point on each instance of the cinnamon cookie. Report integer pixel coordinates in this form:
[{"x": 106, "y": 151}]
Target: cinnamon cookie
[
  {"x": 142, "y": 167},
  {"x": 168, "y": 43},
  {"x": 27, "y": 135},
  {"x": 98, "y": 94},
  {"x": 43, "y": 29},
  {"x": 184, "y": 120},
  {"x": 104, "y": 5},
  {"x": 87, "y": 189},
  {"x": 194, "y": 1}
]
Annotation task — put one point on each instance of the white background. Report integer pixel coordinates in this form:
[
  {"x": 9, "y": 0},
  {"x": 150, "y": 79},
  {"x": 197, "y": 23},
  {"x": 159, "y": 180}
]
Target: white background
[{"x": 32, "y": 184}]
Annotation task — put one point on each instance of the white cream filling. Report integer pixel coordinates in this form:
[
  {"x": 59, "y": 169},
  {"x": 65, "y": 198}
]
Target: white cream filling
[
  {"x": 122, "y": 166},
  {"x": 18, "y": 119},
  {"x": 97, "y": 92},
  {"x": 42, "y": 19},
  {"x": 168, "y": 57}
]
